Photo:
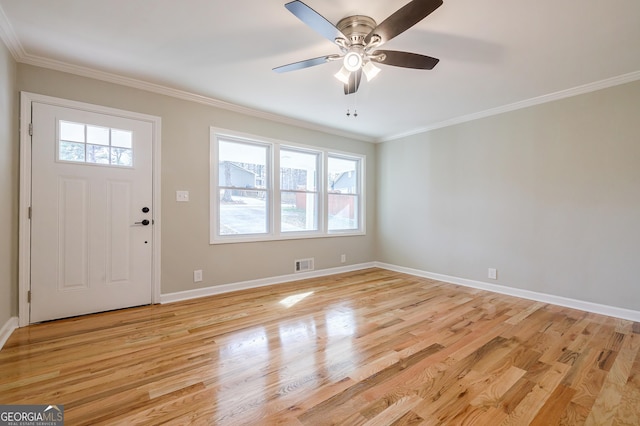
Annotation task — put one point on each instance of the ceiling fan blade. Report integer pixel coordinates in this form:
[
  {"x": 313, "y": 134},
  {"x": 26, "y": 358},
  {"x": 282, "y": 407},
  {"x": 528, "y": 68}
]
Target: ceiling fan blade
[
  {"x": 354, "y": 82},
  {"x": 405, "y": 59},
  {"x": 303, "y": 64},
  {"x": 403, "y": 19},
  {"x": 316, "y": 21}
]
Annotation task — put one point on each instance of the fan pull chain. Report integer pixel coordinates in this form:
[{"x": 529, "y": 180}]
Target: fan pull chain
[
  {"x": 355, "y": 105},
  {"x": 355, "y": 108}
]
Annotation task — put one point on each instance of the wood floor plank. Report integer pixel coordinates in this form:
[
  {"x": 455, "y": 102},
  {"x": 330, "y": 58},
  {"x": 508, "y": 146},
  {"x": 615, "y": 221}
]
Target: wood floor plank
[
  {"x": 372, "y": 347},
  {"x": 555, "y": 406},
  {"x": 609, "y": 399}
]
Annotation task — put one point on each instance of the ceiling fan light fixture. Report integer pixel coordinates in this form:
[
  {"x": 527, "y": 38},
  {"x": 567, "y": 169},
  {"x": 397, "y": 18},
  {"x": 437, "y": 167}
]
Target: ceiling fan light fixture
[
  {"x": 343, "y": 75},
  {"x": 358, "y": 37},
  {"x": 352, "y": 61},
  {"x": 370, "y": 70}
]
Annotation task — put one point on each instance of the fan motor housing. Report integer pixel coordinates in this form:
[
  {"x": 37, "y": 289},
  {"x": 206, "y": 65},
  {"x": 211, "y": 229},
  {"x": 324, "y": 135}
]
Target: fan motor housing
[{"x": 356, "y": 28}]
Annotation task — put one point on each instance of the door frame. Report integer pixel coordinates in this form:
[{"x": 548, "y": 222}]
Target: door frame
[{"x": 24, "y": 227}]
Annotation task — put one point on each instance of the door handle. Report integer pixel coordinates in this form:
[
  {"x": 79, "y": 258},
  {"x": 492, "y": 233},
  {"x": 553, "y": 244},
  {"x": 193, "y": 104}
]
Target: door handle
[{"x": 143, "y": 223}]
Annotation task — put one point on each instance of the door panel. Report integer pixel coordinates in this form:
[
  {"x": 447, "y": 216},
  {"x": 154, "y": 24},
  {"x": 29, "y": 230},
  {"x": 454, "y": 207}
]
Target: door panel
[
  {"x": 73, "y": 238},
  {"x": 91, "y": 178},
  {"x": 119, "y": 245}
]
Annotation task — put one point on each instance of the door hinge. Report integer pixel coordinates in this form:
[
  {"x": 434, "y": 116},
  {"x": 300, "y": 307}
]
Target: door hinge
[
  {"x": 29, "y": 296},
  {"x": 30, "y": 129},
  {"x": 29, "y": 212}
]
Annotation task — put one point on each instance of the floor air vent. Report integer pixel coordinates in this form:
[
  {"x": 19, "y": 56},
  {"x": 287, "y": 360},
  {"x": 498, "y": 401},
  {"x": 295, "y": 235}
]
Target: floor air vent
[{"x": 303, "y": 265}]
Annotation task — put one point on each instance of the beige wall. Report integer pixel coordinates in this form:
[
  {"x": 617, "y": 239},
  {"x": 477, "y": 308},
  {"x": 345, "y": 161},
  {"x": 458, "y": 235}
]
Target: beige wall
[
  {"x": 549, "y": 195},
  {"x": 8, "y": 187},
  {"x": 185, "y": 166}
]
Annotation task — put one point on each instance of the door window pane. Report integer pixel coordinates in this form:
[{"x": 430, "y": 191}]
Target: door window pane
[
  {"x": 98, "y": 135},
  {"x": 121, "y": 138},
  {"x": 121, "y": 157},
  {"x": 71, "y": 132},
  {"x": 97, "y": 154},
  {"x": 85, "y": 143},
  {"x": 71, "y": 151}
]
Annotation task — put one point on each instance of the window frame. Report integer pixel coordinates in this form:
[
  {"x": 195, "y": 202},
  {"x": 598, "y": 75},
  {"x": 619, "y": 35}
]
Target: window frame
[
  {"x": 318, "y": 191},
  {"x": 273, "y": 191},
  {"x": 268, "y": 185},
  {"x": 86, "y": 143},
  {"x": 359, "y": 194}
]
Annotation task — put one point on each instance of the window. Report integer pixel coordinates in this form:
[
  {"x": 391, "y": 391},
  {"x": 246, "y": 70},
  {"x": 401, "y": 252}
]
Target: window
[
  {"x": 298, "y": 190},
  {"x": 84, "y": 143},
  {"x": 243, "y": 188},
  {"x": 344, "y": 193},
  {"x": 270, "y": 190}
]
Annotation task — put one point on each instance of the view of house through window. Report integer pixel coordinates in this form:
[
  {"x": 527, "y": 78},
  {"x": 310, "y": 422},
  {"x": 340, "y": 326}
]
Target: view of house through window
[
  {"x": 343, "y": 181},
  {"x": 243, "y": 188},
  {"x": 265, "y": 190}
]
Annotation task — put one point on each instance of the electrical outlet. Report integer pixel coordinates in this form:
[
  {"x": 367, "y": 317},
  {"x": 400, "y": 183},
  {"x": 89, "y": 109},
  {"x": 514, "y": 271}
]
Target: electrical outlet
[
  {"x": 493, "y": 273},
  {"x": 197, "y": 275},
  {"x": 343, "y": 258}
]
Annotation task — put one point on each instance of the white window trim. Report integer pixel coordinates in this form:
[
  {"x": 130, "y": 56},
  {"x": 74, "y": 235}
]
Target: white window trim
[
  {"x": 320, "y": 185},
  {"x": 274, "y": 191},
  {"x": 361, "y": 194}
]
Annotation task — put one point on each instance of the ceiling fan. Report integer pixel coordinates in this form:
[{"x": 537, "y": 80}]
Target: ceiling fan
[{"x": 358, "y": 38}]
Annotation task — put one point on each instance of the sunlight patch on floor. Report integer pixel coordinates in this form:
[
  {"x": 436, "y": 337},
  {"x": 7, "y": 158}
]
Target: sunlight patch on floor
[{"x": 292, "y": 300}]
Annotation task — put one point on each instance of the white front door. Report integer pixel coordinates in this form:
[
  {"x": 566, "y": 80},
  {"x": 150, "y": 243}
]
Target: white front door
[{"x": 91, "y": 220}]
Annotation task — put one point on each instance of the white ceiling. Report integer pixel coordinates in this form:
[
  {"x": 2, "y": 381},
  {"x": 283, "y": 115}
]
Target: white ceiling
[{"x": 494, "y": 55}]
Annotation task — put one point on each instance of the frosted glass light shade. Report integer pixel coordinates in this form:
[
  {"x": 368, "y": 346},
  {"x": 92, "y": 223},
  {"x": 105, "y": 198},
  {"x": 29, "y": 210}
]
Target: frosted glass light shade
[
  {"x": 370, "y": 70},
  {"x": 343, "y": 75}
]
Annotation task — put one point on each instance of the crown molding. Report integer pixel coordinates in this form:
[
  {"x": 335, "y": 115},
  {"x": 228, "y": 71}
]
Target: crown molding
[
  {"x": 82, "y": 71},
  {"x": 9, "y": 37},
  {"x": 7, "y": 34},
  {"x": 179, "y": 94},
  {"x": 579, "y": 90}
]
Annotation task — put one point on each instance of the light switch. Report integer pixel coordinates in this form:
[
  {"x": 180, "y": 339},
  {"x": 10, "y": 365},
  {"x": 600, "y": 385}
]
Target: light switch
[{"x": 182, "y": 196}]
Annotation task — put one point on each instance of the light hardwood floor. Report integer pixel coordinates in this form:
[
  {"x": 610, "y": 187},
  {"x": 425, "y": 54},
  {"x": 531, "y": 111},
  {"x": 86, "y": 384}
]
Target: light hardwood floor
[{"x": 368, "y": 347}]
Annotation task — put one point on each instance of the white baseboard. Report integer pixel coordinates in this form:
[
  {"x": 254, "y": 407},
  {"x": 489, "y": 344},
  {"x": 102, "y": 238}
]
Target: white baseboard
[
  {"x": 582, "y": 305},
  {"x": 7, "y": 329},
  {"x": 245, "y": 285}
]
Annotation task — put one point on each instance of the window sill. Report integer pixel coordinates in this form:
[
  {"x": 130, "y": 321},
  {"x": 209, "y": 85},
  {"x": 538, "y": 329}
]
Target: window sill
[{"x": 294, "y": 236}]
